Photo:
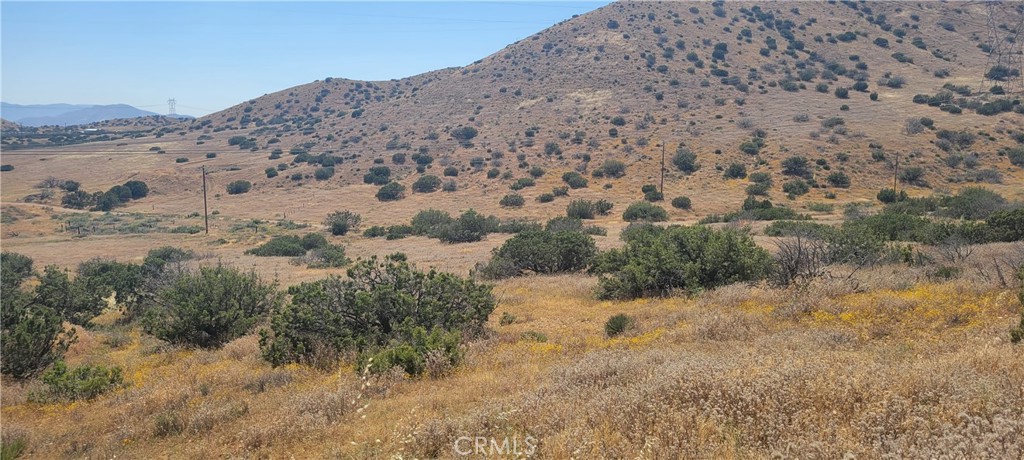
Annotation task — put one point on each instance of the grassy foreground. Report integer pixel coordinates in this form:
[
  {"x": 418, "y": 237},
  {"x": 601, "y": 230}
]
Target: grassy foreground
[{"x": 884, "y": 364}]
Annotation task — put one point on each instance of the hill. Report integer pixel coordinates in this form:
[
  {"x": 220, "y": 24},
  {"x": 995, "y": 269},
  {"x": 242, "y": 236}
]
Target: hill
[
  {"x": 70, "y": 115},
  {"x": 839, "y": 84}
]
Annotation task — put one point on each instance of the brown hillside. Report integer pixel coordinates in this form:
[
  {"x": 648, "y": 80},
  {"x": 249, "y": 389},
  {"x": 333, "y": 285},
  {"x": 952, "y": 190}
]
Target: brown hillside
[{"x": 550, "y": 100}]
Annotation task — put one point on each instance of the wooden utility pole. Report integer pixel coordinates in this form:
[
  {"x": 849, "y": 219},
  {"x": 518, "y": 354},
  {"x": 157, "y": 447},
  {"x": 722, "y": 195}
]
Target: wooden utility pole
[
  {"x": 206, "y": 214},
  {"x": 662, "y": 167},
  {"x": 896, "y": 174}
]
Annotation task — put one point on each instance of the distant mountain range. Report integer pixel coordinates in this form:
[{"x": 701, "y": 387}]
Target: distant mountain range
[{"x": 70, "y": 114}]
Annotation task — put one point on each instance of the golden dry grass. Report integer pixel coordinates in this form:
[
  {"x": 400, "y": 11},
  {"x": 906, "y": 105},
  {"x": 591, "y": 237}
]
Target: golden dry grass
[{"x": 891, "y": 367}]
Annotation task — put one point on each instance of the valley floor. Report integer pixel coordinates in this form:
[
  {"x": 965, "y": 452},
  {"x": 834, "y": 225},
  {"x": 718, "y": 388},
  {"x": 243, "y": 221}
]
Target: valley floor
[{"x": 888, "y": 363}]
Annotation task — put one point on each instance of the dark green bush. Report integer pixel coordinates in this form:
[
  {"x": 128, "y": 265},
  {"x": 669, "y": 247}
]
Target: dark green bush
[
  {"x": 210, "y": 307},
  {"x": 796, "y": 187},
  {"x": 451, "y": 171},
  {"x": 280, "y": 246},
  {"x": 32, "y": 335},
  {"x": 238, "y": 187},
  {"x": 574, "y": 180},
  {"x": 888, "y": 195},
  {"x": 512, "y": 200},
  {"x": 796, "y": 166},
  {"x": 685, "y": 160},
  {"x": 384, "y": 304},
  {"x": 323, "y": 173},
  {"x": 426, "y": 221},
  {"x": 545, "y": 197},
  {"x": 468, "y": 227},
  {"x": 542, "y": 252},
  {"x": 379, "y": 175},
  {"x": 735, "y": 171},
  {"x": 391, "y": 191},
  {"x": 1006, "y": 225},
  {"x": 644, "y": 211},
  {"x": 682, "y": 202},
  {"x": 327, "y": 256},
  {"x": 973, "y": 203},
  {"x": 580, "y": 209},
  {"x": 522, "y": 183},
  {"x": 839, "y": 179},
  {"x": 426, "y": 184},
  {"x": 658, "y": 261},
  {"x": 341, "y": 222},
  {"x": 617, "y": 324}
]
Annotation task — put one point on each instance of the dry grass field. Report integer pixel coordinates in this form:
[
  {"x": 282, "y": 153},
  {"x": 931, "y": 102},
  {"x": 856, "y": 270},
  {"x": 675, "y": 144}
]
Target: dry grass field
[{"x": 895, "y": 367}]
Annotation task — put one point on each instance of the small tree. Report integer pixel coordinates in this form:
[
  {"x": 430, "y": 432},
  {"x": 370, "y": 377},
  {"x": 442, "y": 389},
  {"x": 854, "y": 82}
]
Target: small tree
[
  {"x": 341, "y": 222},
  {"x": 392, "y": 191},
  {"x": 644, "y": 211},
  {"x": 210, "y": 307},
  {"x": 541, "y": 251},
  {"x": 426, "y": 184},
  {"x": 685, "y": 160},
  {"x": 238, "y": 187}
]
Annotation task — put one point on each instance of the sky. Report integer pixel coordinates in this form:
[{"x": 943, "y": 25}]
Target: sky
[{"x": 209, "y": 56}]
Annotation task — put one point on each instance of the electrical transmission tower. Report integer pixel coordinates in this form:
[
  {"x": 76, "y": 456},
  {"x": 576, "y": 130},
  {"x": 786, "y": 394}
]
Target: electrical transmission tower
[
  {"x": 1005, "y": 67},
  {"x": 170, "y": 106}
]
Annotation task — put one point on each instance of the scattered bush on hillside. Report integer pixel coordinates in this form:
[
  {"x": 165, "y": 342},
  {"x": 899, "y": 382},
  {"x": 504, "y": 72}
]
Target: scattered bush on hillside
[
  {"x": 238, "y": 187},
  {"x": 644, "y": 211},
  {"x": 426, "y": 184},
  {"x": 379, "y": 175},
  {"x": 574, "y": 180},
  {"x": 682, "y": 202},
  {"x": 735, "y": 171},
  {"x": 391, "y": 191},
  {"x": 86, "y": 382},
  {"x": 685, "y": 160},
  {"x": 542, "y": 252},
  {"x": 657, "y": 261},
  {"x": 341, "y": 222},
  {"x": 617, "y": 324},
  {"x": 610, "y": 168},
  {"x": 386, "y": 310},
  {"x": 512, "y": 200},
  {"x": 210, "y": 307}
]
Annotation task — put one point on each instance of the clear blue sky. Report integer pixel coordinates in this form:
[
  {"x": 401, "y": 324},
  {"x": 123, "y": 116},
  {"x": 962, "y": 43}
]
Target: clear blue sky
[{"x": 210, "y": 56}]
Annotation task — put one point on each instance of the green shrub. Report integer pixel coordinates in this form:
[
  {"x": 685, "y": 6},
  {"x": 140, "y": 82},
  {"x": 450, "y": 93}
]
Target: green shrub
[
  {"x": 546, "y": 197},
  {"x": 210, "y": 307},
  {"x": 839, "y": 179},
  {"x": 341, "y": 222},
  {"x": 611, "y": 168},
  {"x": 383, "y": 304},
  {"x": 238, "y": 187},
  {"x": 426, "y": 221},
  {"x": 512, "y": 200},
  {"x": 537, "y": 172},
  {"x": 426, "y": 184},
  {"x": 617, "y": 324},
  {"x": 434, "y": 353},
  {"x": 973, "y": 203},
  {"x": 644, "y": 211},
  {"x": 81, "y": 382},
  {"x": 574, "y": 180},
  {"x": 912, "y": 175},
  {"x": 7, "y": 167},
  {"x": 32, "y": 334},
  {"x": 1006, "y": 225},
  {"x": 580, "y": 209},
  {"x": 542, "y": 252},
  {"x": 658, "y": 261},
  {"x": 391, "y": 191},
  {"x": 685, "y": 160},
  {"x": 796, "y": 166},
  {"x": 492, "y": 173},
  {"x": 450, "y": 171},
  {"x": 522, "y": 183},
  {"x": 323, "y": 173},
  {"x": 682, "y": 202},
  {"x": 270, "y": 172},
  {"x": 280, "y": 246},
  {"x": 327, "y": 256},
  {"x": 379, "y": 175},
  {"x": 888, "y": 195},
  {"x": 469, "y": 227},
  {"x": 735, "y": 171},
  {"x": 796, "y": 187}
]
